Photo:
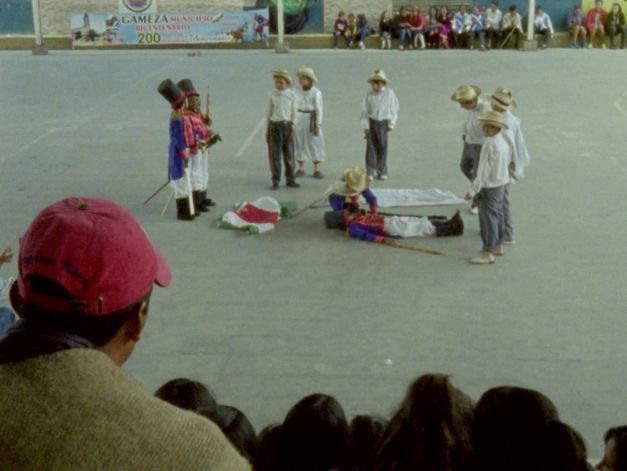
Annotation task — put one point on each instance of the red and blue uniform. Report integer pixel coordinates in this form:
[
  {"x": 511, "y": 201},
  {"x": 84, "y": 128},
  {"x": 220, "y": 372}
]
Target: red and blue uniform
[
  {"x": 367, "y": 227},
  {"x": 177, "y": 151}
]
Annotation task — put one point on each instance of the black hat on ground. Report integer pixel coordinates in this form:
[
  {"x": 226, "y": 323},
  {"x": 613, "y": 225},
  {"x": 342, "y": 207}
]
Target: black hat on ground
[
  {"x": 188, "y": 87},
  {"x": 172, "y": 93},
  {"x": 334, "y": 220}
]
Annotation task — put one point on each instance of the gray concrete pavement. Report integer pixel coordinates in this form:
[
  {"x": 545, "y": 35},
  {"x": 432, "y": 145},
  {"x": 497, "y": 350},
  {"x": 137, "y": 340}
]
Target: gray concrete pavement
[{"x": 267, "y": 319}]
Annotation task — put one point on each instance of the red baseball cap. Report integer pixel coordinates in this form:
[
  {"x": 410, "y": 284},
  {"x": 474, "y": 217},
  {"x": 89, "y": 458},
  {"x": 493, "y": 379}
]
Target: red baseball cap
[{"x": 96, "y": 250}]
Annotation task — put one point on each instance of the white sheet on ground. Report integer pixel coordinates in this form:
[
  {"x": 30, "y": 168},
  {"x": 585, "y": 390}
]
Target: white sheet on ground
[{"x": 387, "y": 198}]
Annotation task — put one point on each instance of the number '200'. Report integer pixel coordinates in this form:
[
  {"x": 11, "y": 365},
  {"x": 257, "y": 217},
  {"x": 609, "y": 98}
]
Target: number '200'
[{"x": 149, "y": 38}]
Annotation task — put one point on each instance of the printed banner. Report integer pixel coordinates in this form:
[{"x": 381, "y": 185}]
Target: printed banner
[{"x": 103, "y": 29}]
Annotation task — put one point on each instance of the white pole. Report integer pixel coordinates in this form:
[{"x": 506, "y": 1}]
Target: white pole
[
  {"x": 39, "y": 47},
  {"x": 280, "y": 22},
  {"x": 281, "y": 45},
  {"x": 531, "y": 19}
]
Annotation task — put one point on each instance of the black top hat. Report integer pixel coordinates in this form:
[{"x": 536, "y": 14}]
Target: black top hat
[
  {"x": 188, "y": 87},
  {"x": 171, "y": 92}
]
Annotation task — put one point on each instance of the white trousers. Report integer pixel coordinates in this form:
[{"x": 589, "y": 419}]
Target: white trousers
[
  {"x": 408, "y": 226},
  {"x": 179, "y": 187},
  {"x": 200, "y": 170}
]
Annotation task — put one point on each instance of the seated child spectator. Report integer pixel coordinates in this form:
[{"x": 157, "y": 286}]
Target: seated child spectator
[
  {"x": 340, "y": 29},
  {"x": 365, "y": 432},
  {"x": 543, "y": 26},
  {"x": 431, "y": 28},
  {"x": 402, "y": 27},
  {"x": 431, "y": 430},
  {"x": 493, "y": 19},
  {"x": 461, "y": 27},
  {"x": 237, "y": 428},
  {"x": 386, "y": 30},
  {"x": 512, "y": 25},
  {"x": 595, "y": 21},
  {"x": 363, "y": 30},
  {"x": 187, "y": 394},
  {"x": 477, "y": 28},
  {"x": 615, "y": 25},
  {"x": 314, "y": 436},
  {"x": 615, "y": 458},
  {"x": 417, "y": 22},
  {"x": 577, "y": 26},
  {"x": 352, "y": 29},
  {"x": 445, "y": 21}
]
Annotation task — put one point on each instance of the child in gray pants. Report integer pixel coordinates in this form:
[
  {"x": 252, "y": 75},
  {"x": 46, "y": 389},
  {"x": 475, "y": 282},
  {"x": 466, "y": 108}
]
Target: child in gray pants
[
  {"x": 491, "y": 180},
  {"x": 379, "y": 113}
]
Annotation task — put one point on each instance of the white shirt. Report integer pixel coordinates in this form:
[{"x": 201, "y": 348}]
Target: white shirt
[
  {"x": 493, "y": 19},
  {"x": 473, "y": 128},
  {"x": 309, "y": 100},
  {"x": 515, "y": 139},
  {"x": 512, "y": 21},
  {"x": 493, "y": 168},
  {"x": 379, "y": 106},
  {"x": 282, "y": 105},
  {"x": 543, "y": 22}
]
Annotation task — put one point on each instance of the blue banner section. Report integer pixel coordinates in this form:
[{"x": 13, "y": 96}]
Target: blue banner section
[
  {"x": 16, "y": 17},
  {"x": 102, "y": 29}
]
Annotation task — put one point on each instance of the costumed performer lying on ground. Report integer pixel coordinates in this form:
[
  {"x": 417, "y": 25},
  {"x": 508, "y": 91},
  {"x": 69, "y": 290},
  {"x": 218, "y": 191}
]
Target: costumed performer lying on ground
[{"x": 344, "y": 196}]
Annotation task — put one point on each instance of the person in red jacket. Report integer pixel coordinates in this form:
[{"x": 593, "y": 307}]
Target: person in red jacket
[
  {"x": 199, "y": 138},
  {"x": 595, "y": 21}
]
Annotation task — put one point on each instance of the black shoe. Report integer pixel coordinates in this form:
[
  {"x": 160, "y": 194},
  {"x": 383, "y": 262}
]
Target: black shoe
[
  {"x": 274, "y": 187},
  {"x": 452, "y": 227},
  {"x": 182, "y": 210},
  {"x": 292, "y": 185},
  {"x": 198, "y": 203},
  {"x": 207, "y": 201}
]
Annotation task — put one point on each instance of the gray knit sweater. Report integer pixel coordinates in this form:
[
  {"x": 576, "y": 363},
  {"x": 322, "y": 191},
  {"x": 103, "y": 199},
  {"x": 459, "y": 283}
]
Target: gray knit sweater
[{"x": 76, "y": 409}]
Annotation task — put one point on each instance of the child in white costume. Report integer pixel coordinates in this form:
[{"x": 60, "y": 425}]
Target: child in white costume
[{"x": 309, "y": 138}]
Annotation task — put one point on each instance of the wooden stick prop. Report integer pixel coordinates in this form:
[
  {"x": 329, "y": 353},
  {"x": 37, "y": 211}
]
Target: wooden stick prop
[
  {"x": 155, "y": 193},
  {"x": 415, "y": 248},
  {"x": 167, "y": 203},
  {"x": 309, "y": 206}
]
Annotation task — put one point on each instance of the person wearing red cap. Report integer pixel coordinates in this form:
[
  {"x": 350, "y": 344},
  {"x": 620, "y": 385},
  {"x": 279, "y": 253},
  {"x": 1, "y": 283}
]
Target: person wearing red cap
[
  {"x": 86, "y": 272},
  {"x": 178, "y": 155}
]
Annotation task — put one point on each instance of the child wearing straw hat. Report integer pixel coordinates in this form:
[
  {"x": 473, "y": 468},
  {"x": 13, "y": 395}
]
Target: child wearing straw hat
[
  {"x": 490, "y": 183},
  {"x": 503, "y": 102},
  {"x": 281, "y": 131},
  {"x": 379, "y": 113},
  {"x": 309, "y": 138},
  {"x": 470, "y": 99},
  {"x": 344, "y": 194}
]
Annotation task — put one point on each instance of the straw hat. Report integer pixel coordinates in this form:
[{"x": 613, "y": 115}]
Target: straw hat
[
  {"x": 466, "y": 93},
  {"x": 502, "y": 97},
  {"x": 307, "y": 72},
  {"x": 284, "y": 74},
  {"x": 493, "y": 118},
  {"x": 378, "y": 76},
  {"x": 354, "y": 181}
]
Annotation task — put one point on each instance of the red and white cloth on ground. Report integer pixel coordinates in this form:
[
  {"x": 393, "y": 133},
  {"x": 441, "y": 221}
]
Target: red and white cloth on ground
[{"x": 256, "y": 218}]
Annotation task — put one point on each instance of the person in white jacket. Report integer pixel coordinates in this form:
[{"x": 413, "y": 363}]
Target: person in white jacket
[{"x": 543, "y": 25}]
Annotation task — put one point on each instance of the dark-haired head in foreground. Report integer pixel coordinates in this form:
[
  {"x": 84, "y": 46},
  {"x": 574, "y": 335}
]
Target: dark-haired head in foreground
[
  {"x": 615, "y": 458},
  {"x": 314, "y": 436},
  {"x": 365, "y": 433},
  {"x": 431, "y": 431},
  {"x": 187, "y": 394},
  {"x": 269, "y": 441},
  {"x": 237, "y": 428}
]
